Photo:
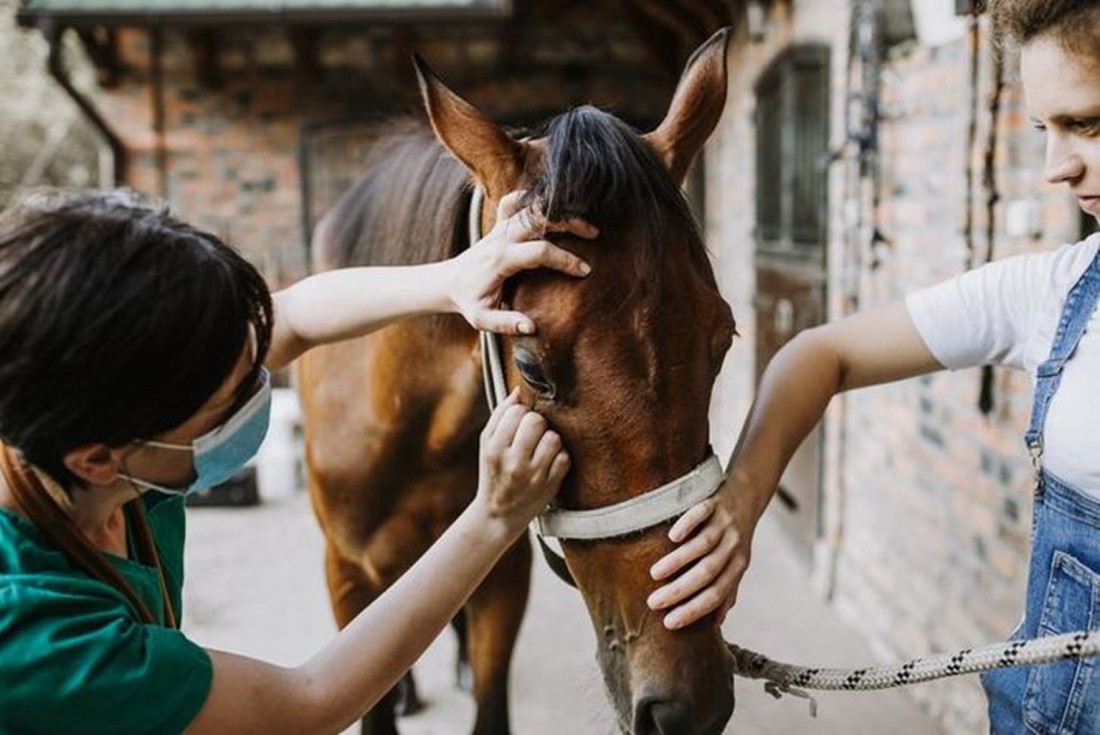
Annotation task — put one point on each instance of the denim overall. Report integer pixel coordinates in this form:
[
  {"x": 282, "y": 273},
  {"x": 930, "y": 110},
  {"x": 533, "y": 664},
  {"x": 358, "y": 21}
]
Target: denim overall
[{"x": 1063, "y": 591}]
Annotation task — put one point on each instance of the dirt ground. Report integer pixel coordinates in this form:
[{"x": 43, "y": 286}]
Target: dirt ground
[{"x": 255, "y": 586}]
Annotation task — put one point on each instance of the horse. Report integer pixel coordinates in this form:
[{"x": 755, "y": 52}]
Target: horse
[{"x": 622, "y": 365}]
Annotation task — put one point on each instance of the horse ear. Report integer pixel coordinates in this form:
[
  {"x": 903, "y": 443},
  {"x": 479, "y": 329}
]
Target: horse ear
[
  {"x": 495, "y": 159},
  {"x": 696, "y": 107}
]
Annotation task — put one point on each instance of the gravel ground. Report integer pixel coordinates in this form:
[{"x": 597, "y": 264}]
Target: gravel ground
[{"x": 255, "y": 586}]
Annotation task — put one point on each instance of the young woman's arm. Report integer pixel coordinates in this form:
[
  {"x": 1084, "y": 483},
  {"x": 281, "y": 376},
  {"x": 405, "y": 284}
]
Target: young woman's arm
[
  {"x": 350, "y": 302},
  {"x": 877, "y": 346},
  {"x": 522, "y": 467}
]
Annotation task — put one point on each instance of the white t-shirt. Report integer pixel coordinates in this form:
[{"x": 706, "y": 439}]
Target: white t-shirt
[{"x": 1006, "y": 313}]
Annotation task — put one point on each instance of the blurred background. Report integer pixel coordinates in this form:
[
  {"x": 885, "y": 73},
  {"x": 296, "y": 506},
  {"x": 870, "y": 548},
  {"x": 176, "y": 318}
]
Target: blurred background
[{"x": 868, "y": 148}]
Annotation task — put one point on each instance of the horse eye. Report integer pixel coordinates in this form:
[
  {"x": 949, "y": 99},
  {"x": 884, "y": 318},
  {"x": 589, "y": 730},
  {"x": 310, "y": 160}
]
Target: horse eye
[{"x": 534, "y": 376}]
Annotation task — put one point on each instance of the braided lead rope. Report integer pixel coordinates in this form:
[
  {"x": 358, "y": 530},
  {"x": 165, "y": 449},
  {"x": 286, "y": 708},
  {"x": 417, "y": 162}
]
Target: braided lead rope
[{"x": 783, "y": 678}]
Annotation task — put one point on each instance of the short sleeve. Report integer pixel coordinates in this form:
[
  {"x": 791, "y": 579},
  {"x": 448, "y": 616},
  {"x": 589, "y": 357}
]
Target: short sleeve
[
  {"x": 983, "y": 316},
  {"x": 73, "y": 660}
]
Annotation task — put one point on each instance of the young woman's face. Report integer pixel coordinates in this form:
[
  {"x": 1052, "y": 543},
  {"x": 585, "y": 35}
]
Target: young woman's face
[
  {"x": 1063, "y": 98},
  {"x": 175, "y": 468}
]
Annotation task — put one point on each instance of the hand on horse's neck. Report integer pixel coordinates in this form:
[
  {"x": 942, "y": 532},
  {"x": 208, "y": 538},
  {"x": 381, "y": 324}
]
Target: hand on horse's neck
[{"x": 97, "y": 514}]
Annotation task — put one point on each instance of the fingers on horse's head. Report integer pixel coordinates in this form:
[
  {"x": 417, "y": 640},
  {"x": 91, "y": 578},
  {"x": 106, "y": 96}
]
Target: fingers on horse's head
[{"x": 625, "y": 360}]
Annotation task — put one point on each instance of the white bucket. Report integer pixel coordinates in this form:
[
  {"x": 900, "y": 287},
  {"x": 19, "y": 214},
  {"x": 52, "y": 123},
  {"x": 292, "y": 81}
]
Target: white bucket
[{"x": 280, "y": 469}]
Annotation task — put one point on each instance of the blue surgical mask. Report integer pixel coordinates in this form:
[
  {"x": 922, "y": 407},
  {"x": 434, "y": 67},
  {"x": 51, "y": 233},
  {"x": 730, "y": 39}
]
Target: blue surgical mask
[{"x": 221, "y": 452}]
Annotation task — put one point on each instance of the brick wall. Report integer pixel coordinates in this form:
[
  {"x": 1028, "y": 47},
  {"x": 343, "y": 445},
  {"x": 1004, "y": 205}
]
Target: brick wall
[
  {"x": 926, "y": 500},
  {"x": 228, "y": 158}
]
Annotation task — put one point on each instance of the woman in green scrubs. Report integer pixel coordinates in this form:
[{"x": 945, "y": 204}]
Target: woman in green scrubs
[{"x": 134, "y": 358}]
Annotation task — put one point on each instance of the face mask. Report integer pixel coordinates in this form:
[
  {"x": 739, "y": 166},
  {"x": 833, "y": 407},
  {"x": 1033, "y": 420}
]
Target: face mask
[{"x": 220, "y": 453}]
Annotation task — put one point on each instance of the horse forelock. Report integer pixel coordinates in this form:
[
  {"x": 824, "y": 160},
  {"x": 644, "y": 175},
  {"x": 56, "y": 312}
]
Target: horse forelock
[{"x": 598, "y": 168}]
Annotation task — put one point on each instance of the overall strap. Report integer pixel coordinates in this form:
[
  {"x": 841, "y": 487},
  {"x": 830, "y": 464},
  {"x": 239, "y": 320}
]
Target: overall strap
[{"x": 1079, "y": 305}]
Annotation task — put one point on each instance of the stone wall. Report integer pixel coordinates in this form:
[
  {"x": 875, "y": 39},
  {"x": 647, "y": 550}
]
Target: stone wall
[{"x": 230, "y": 158}]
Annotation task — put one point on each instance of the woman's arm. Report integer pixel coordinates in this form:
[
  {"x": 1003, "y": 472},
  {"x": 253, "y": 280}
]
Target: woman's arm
[
  {"x": 877, "y": 346},
  {"x": 350, "y": 302},
  {"x": 522, "y": 465}
]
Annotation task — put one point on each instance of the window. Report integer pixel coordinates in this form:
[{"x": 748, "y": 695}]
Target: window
[{"x": 792, "y": 138}]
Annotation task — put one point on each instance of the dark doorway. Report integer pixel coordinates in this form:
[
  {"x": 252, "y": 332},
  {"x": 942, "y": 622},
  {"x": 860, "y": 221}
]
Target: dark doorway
[{"x": 792, "y": 133}]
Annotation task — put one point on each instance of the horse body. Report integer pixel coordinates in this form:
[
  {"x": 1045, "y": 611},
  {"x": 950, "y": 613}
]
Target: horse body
[
  {"x": 622, "y": 367},
  {"x": 392, "y": 420}
]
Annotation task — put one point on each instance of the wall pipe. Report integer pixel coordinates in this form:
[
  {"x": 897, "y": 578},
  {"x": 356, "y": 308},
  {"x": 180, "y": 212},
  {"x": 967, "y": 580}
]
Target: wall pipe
[{"x": 56, "y": 67}]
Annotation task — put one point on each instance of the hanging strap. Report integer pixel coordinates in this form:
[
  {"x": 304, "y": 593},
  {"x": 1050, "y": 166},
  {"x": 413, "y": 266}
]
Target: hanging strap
[
  {"x": 36, "y": 503},
  {"x": 1076, "y": 313}
]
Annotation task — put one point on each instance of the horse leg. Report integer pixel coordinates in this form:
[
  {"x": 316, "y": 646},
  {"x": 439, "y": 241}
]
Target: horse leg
[
  {"x": 494, "y": 615},
  {"x": 350, "y": 592},
  {"x": 463, "y": 676}
]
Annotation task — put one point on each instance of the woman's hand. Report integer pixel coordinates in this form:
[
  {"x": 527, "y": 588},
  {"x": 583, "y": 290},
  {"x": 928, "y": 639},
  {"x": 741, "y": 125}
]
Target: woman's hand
[
  {"x": 514, "y": 244},
  {"x": 715, "y": 540},
  {"x": 522, "y": 464}
]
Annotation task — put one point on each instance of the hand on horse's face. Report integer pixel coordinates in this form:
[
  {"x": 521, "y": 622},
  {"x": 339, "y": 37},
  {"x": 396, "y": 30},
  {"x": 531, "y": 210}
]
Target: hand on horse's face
[
  {"x": 702, "y": 574},
  {"x": 522, "y": 464},
  {"x": 514, "y": 244}
]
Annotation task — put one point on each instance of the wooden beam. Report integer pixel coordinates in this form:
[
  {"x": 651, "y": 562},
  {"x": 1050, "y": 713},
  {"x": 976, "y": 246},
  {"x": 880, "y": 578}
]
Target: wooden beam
[
  {"x": 730, "y": 11},
  {"x": 686, "y": 27},
  {"x": 659, "y": 41},
  {"x": 707, "y": 14},
  {"x": 511, "y": 36},
  {"x": 205, "y": 48},
  {"x": 736, "y": 8},
  {"x": 101, "y": 45},
  {"x": 303, "y": 39},
  {"x": 402, "y": 45}
]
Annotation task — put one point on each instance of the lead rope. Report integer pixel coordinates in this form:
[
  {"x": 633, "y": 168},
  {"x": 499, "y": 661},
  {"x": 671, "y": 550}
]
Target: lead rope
[{"x": 780, "y": 678}]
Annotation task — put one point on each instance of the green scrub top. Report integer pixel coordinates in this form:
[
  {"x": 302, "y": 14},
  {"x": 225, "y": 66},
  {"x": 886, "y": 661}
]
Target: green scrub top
[{"x": 75, "y": 658}]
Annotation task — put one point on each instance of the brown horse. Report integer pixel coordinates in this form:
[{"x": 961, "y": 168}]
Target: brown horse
[{"x": 622, "y": 366}]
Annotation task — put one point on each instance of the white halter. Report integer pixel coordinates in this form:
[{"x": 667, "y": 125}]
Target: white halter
[{"x": 637, "y": 513}]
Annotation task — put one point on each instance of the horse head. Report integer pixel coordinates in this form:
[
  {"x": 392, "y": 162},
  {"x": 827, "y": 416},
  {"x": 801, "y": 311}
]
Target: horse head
[{"x": 623, "y": 362}]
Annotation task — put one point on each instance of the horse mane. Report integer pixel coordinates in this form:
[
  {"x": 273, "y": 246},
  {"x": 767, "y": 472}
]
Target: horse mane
[
  {"x": 598, "y": 168},
  {"x": 411, "y": 204},
  {"x": 408, "y": 207}
]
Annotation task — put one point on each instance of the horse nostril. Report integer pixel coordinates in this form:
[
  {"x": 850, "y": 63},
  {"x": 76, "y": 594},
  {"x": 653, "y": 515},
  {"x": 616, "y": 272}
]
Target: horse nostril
[
  {"x": 654, "y": 716},
  {"x": 673, "y": 715}
]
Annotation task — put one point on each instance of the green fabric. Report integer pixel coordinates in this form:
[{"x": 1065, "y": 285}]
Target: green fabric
[{"x": 74, "y": 657}]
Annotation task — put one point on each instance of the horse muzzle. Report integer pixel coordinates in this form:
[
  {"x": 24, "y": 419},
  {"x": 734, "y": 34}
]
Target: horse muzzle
[{"x": 670, "y": 713}]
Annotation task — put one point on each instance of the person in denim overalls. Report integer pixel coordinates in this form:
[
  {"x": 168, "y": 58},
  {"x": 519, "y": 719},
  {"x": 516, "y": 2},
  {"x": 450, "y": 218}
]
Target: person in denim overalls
[
  {"x": 1063, "y": 591},
  {"x": 1010, "y": 312}
]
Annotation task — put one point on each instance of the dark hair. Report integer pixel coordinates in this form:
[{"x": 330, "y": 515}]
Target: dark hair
[
  {"x": 1075, "y": 24},
  {"x": 117, "y": 322},
  {"x": 598, "y": 168}
]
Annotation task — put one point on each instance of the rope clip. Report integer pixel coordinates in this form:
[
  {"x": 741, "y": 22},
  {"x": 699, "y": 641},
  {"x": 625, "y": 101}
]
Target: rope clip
[{"x": 777, "y": 690}]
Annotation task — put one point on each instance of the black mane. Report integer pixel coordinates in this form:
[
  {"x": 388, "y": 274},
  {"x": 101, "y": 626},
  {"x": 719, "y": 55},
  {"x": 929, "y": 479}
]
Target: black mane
[
  {"x": 598, "y": 168},
  {"x": 411, "y": 203}
]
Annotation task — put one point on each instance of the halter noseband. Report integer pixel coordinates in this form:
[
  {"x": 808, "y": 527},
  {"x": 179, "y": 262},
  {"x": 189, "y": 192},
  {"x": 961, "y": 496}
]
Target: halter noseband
[{"x": 636, "y": 514}]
